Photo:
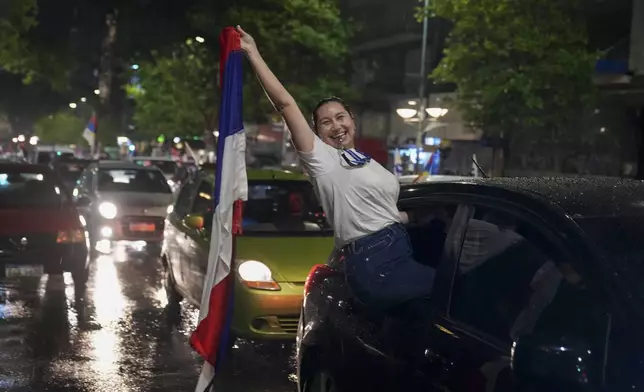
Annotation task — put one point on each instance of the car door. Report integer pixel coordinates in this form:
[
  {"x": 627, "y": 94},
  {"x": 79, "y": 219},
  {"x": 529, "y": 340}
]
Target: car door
[
  {"x": 175, "y": 235},
  {"x": 509, "y": 276},
  {"x": 390, "y": 339},
  {"x": 195, "y": 247}
]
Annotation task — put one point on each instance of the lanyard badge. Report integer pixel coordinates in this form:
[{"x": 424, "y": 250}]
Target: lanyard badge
[{"x": 355, "y": 158}]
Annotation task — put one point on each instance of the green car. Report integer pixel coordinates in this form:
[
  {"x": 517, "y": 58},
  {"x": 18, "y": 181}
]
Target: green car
[{"x": 285, "y": 234}]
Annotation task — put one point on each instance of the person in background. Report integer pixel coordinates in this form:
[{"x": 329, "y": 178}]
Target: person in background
[{"x": 358, "y": 195}]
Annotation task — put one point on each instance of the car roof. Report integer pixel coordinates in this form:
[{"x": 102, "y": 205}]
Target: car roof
[
  {"x": 24, "y": 167},
  {"x": 579, "y": 197},
  {"x": 140, "y": 158},
  {"x": 124, "y": 165},
  {"x": 266, "y": 174}
]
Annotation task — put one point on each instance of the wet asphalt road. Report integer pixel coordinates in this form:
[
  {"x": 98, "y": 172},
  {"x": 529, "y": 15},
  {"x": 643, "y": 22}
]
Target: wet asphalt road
[{"x": 120, "y": 337}]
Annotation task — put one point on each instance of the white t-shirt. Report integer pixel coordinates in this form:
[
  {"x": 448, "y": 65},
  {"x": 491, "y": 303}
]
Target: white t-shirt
[{"x": 358, "y": 201}]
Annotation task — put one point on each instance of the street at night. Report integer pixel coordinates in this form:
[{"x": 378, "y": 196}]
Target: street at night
[{"x": 121, "y": 337}]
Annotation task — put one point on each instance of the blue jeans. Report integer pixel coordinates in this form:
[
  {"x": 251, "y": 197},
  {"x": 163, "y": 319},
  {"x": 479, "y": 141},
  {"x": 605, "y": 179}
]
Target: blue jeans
[{"x": 381, "y": 270}]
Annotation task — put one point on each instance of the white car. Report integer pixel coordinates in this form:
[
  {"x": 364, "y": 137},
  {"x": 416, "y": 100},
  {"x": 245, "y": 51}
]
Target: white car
[{"x": 124, "y": 204}]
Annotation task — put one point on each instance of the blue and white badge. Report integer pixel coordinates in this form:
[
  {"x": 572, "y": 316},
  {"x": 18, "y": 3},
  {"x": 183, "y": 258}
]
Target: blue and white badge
[{"x": 354, "y": 157}]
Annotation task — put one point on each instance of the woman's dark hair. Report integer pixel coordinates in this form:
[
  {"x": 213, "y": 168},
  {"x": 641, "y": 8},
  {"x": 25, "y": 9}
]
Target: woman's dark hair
[{"x": 324, "y": 102}]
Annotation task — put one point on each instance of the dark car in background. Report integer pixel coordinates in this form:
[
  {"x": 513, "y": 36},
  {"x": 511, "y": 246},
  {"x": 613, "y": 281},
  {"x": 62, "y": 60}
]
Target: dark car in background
[
  {"x": 40, "y": 230},
  {"x": 70, "y": 169},
  {"x": 538, "y": 288}
]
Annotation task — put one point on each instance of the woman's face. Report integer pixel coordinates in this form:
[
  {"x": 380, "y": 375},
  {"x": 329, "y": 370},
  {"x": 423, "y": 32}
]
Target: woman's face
[{"x": 335, "y": 126}]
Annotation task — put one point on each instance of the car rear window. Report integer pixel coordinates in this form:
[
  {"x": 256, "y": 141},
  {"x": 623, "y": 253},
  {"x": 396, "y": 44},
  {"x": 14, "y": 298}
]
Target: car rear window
[
  {"x": 132, "y": 180},
  {"x": 168, "y": 167},
  {"x": 276, "y": 207},
  {"x": 29, "y": 189}
]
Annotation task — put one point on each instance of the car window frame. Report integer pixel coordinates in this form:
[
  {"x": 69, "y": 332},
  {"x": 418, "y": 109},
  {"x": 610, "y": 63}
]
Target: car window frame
[
  {"x": 441, "y": 293},
  {"x": 193, "y": 183},
  {"x": 199, "y": 182},
  {"x": 546, "y": 230}
]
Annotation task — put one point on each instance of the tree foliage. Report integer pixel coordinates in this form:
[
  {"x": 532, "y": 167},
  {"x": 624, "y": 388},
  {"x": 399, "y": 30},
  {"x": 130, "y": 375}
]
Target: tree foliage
[
  {"x": 26, "y": 51},
  {"x": 305, "y": 42},
  {"x": 176, "y": 92},
  {"x": 60, "y": 128},
  {"x": 66, "y": 127},
  {"x": 523, "y": 69}
]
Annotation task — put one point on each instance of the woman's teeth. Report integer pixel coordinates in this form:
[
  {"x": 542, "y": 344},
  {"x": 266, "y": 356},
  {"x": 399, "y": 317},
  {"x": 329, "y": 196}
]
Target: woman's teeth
[{"x": 339, "y": 137}]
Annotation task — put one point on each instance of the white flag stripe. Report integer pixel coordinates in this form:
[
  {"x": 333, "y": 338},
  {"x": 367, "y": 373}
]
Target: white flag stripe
[{"x": 234, "y": 186}]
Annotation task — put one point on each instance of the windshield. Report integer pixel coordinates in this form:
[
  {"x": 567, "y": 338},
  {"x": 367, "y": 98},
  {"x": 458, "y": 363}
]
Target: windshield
[
  {"x": 132, "y": 180},
  {"x": 167, "y": 167},
  {"x": 29, "y": 189},
  {"x": 619, "y": 239},
  {"x": 284, "y": 207}
]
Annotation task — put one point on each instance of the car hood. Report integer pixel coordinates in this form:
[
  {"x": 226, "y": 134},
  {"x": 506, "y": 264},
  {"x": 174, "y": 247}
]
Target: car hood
[
  {"x": 137, "y": 198},
  {"x": 289, "y": 258}
]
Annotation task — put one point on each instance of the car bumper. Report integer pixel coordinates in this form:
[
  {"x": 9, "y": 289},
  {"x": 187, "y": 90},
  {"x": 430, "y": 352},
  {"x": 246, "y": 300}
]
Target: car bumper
[
  {"x": 267, "y": 315},
  {"x": 119, "y": 229},
  {"x": 56, "y": 258}
]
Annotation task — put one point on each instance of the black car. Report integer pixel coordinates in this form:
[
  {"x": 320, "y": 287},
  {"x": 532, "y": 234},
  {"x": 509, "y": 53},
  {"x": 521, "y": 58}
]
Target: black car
[
  {"x": 538, "y": 288},
  {"x": 41, "y": 231}
]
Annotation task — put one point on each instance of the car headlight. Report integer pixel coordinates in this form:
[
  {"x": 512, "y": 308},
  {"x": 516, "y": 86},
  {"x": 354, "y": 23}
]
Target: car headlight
[
  {"x": 170, "y": 183},
  {"x": 107, "y": 210},
  {"x": 169, "y": 209},
  {"x": 256, "y": 275}
]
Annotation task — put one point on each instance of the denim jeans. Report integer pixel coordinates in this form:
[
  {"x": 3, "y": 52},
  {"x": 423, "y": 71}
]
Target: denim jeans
[{"x": 381, "y": 270}]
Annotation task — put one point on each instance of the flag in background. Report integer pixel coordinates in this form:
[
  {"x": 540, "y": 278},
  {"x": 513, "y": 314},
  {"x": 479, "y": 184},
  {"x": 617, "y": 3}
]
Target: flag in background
[
  {"x": 89, "y": 133},
  {"x": 210, "y": 338}
]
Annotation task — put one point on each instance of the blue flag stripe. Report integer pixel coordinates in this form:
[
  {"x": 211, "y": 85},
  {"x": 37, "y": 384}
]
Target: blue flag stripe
[{"x": 230, "y": 111}]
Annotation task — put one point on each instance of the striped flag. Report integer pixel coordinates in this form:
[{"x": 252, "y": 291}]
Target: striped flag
[
  {"x": 210, "y": 339},
  {"x": 89, "y": 133}
]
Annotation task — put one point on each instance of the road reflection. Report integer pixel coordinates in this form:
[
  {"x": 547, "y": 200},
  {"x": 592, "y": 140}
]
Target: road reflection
[{"x": 121, "y": 336}]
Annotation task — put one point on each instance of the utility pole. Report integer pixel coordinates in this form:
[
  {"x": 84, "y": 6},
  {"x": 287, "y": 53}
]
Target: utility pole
[
  {"x": 421, "y": 91},
  {"x": 105, "y": 77}
]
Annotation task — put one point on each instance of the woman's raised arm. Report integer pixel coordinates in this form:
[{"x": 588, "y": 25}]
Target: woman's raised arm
[{"x": 301, "y": 133}]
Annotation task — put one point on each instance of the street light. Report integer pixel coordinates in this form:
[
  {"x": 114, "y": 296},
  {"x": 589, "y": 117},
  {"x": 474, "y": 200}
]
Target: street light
[
  {"x": 436, "y": 112},
  {"x": 406, "y": 113},
  {"x": 83, "y": 99},
  {"x": 72, "y": 105},
  {"x": 97, "y": 91},
  {"x": 200, "y": 39}
]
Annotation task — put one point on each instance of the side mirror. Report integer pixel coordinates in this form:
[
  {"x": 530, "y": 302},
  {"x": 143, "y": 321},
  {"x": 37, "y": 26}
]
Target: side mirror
[
  {"x": 83, "y": 201},
  {"x": 194, "y": 222},
  {"x": 567, "y": 363}
]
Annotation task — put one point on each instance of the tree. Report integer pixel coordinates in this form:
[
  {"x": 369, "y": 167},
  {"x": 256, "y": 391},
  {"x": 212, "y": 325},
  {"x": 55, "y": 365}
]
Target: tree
[
  {"x": 60, "y": 128},
  {"x": 304, "y": 42},
  {"x": 176, "y": 93},
  {"x": 523, "y": 69}
]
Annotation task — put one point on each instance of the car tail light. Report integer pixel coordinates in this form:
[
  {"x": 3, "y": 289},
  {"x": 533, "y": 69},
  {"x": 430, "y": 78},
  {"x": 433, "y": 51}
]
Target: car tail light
[
  {"x": 318, "y": 272},
  {"x": 70, "y": 236}
]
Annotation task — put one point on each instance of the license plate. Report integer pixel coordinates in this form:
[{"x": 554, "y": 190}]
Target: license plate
[
  {"x": 17, "y": 271},
  {"x": 142, "y": 227}
]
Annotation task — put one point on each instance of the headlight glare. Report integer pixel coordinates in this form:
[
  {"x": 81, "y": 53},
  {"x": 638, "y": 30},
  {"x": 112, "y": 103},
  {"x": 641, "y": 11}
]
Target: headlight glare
[
  {"x": 107, "y": 210},
  {"x": 255, "y": 274}
]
